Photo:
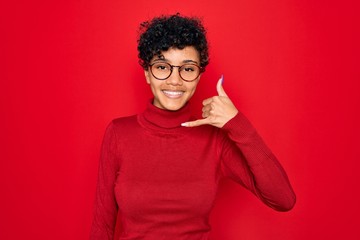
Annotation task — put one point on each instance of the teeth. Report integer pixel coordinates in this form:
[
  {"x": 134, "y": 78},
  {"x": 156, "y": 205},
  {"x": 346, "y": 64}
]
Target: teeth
[{"x": 173, "y": 93}]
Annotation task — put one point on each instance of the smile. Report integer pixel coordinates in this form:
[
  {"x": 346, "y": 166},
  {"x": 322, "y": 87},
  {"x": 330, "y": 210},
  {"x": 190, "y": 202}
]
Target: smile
[{"x": 173, "y": 94}]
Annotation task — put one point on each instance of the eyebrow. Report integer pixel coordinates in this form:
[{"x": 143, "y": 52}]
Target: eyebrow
[
  {"x": 162, "y": 59},
  {"x": 190, "y": 61}
]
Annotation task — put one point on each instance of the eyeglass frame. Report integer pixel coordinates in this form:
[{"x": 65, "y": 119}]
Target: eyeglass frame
[{"x": 171, "y": 71}]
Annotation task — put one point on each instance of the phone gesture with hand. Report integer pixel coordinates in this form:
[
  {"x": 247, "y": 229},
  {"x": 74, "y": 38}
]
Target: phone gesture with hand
[{"x": 217, "y": 110}]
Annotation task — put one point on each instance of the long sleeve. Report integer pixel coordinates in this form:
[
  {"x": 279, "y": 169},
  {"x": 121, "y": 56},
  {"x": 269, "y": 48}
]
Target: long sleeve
[
  {"x": 247, "y": 160},
  {"x": 105, "y": 211}
]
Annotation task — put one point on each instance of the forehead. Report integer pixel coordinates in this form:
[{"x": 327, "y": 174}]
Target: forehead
[{"x": 179, "y": 55}]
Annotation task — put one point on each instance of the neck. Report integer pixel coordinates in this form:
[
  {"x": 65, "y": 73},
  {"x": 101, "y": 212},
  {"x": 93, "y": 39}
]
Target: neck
[{"x": 155, "y": 117}]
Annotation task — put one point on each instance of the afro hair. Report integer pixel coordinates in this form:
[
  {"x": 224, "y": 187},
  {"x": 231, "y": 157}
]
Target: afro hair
[{"x": 174, "y": 31}]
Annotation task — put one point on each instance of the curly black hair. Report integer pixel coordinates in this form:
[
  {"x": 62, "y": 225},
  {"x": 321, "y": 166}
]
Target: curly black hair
[{"x": 164, "y": 32}]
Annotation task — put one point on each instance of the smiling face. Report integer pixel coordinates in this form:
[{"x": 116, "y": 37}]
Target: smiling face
[{"x": 173, "y": 93}]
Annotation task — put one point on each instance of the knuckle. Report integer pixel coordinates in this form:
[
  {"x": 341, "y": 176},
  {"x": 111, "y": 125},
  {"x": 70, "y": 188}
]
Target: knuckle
[
  {"x": 192, "y": 124},
  {"x": 216, "y": 98},
  {"x": 206, "y": 101}
]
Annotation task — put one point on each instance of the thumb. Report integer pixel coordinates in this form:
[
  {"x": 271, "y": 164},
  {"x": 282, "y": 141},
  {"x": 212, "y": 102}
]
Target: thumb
[{"x": 220, "y": 88}]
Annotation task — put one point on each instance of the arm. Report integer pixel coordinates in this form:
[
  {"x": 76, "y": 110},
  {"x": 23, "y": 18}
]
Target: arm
[
  {"x": 247, "y": 160},
  {"x": 245, "y": 157},
  {"x": 105, "y": 211}
]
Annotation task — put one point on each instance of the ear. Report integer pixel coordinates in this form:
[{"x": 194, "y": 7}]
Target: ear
[{"x": 147, "y": 76}]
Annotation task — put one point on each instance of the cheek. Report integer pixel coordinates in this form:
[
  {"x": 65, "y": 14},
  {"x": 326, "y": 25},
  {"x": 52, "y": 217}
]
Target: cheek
[
  {"x": 193, "y": 88},
  {"x": 153, "y": 88},
  {"x": 154, "y": 85}
]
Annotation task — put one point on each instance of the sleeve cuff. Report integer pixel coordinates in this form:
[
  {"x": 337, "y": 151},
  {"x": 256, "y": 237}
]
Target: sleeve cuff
[{"x": 239, "y": 126}]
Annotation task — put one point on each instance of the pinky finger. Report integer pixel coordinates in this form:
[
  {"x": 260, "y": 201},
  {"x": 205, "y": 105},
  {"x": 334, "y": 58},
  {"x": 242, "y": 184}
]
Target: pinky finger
[{"x": 195, "y": 123}]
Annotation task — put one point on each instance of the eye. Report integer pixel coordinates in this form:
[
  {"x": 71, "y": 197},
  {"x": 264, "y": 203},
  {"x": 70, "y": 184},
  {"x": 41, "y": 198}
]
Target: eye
[
  {"x": 162, "y": 66},
  {"x": 189, "y": 68}
]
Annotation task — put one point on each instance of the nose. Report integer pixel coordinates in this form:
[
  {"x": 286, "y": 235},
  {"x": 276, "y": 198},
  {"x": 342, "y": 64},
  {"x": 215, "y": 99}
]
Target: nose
[{"x": 174, "y": 78}]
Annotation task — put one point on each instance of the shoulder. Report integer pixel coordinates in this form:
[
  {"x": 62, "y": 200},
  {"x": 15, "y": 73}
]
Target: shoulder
[
  {"x": 124, "y": 124},
  {"x": 120, "y": 126},
  {"x": 124, "y": 121}
]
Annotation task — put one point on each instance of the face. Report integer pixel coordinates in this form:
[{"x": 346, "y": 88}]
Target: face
[{"x": 173, "y": 93}]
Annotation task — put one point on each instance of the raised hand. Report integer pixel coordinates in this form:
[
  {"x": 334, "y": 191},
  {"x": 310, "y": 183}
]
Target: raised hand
[{"x": 217, "y": 110}]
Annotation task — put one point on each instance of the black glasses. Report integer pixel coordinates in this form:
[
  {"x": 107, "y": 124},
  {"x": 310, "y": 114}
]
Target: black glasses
[{"x": 188, "y": 72}]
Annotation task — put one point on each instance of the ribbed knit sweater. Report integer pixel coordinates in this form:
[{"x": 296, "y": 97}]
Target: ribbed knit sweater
[{"x": 158, "y": 180}]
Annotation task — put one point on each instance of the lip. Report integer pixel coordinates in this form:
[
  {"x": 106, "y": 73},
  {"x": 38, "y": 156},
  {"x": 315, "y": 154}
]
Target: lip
[{"x": 173, "y": 93}]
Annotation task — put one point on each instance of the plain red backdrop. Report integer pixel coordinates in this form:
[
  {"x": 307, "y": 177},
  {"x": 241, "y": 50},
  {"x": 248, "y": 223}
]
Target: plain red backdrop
[{"x": 69, "y": 67}]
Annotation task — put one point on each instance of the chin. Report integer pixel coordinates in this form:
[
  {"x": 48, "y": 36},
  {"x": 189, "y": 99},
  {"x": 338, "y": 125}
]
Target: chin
[{"x": 172, "y": 106}]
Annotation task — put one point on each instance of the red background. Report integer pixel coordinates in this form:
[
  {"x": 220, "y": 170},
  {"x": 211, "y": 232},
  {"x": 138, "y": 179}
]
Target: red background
[{"x": 69, "y": 67}]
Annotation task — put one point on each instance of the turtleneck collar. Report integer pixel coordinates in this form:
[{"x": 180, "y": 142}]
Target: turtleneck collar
[{"x": 157, "y": 118}]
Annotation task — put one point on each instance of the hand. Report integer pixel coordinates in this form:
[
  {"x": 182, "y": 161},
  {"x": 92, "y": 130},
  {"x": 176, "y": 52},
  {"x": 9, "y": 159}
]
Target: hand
[{"x": 217, "y": 110}]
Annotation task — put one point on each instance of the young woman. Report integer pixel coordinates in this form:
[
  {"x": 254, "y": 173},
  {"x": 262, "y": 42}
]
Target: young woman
[{"x": 159, "y": 170}]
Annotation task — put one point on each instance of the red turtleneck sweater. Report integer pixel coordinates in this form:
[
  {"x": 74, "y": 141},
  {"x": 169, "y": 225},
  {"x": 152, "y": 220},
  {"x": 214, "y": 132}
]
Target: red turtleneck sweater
[{"x": 158, "y": 180}]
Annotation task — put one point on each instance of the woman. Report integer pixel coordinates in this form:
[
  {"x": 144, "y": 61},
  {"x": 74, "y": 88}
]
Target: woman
[{"x": 159, "y": 170}]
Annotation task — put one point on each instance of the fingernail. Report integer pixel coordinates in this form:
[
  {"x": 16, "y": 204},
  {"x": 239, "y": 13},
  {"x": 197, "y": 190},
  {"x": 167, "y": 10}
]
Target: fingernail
[
  {"x": 222, "y": 79},
  {"x": 184, "y": 124}
]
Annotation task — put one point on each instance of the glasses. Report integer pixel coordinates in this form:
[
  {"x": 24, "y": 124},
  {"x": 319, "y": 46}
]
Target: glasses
[{"x": 188, "y": 72}]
